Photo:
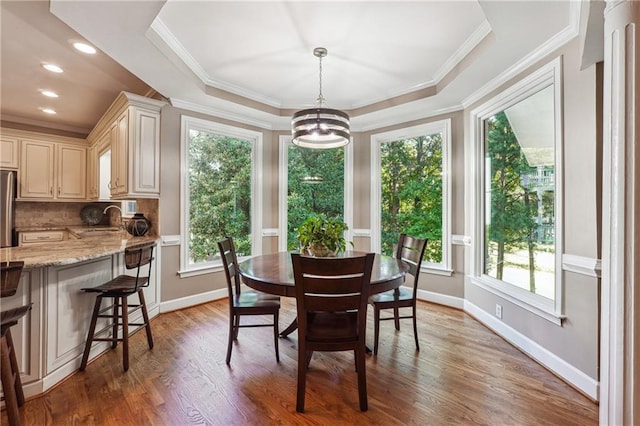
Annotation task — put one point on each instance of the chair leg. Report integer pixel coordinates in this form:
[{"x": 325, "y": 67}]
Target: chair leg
[
  {"x": 376, "y": 330},
  {"x": 125, "y": 333},
  {"x": 145, "y": 316},
  {"x": 275, "y": 335},
  {"x": 114, "y": 330},
  {"x": 362, "y": 378},
  {"x": 303, "y": 357},
  {"x": 396, "y": 320},
  {"x": 236, "y": 327},
  {"x": 8, "y": 386},
  {"x": 415, "y": 328},
  {"x": 15, "y": 369},
  {"x": 232, "y": 335},
  {"x": 92, "y": 329}
]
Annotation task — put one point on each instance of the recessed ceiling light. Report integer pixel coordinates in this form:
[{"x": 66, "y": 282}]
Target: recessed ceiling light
[
  {"x": 52, "y": 68},
  {"x": 49, "y": 110},
  {"x": 49, "y": 93},
  {"x": 84, "y": 48}
]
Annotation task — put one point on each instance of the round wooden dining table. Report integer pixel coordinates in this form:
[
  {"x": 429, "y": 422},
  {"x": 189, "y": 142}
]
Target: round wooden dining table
[{"x": 273, "y": 274}]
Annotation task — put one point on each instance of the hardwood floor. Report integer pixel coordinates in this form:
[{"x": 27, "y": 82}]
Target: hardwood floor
[{"x": 463, "y": 374}]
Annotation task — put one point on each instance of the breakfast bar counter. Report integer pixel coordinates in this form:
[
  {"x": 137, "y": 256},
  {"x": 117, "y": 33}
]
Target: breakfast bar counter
[
  {"x": 50, "y": 339},
  {"x": 73, "y": 250}
]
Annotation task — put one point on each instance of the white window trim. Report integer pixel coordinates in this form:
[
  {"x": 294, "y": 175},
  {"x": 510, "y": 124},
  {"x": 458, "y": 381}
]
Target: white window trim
[
  {"x": 444, "y": 127},
  {"x": 283, "y": 173},
  {"x": 187, "y": 123},
  {"x": 549, "y": 74}
]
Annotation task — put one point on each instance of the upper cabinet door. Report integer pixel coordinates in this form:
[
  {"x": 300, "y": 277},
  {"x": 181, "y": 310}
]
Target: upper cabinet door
[
  {"x": 71, "y": 172},
  {"x": 9, "y": 149},
  {"x": 119, "y": 156},
  {"x": 36, "y": 170}
]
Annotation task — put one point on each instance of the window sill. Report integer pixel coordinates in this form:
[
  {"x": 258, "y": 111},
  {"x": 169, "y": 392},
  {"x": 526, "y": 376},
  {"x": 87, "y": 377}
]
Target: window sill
[
  {"x": 541, "y": 311},
  {"x": 192, "y": 272},
  {"x": 435, "y": 270}
]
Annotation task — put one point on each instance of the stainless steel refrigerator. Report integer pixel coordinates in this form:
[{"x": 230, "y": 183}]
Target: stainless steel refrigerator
[{"x": 8, "y": 237}]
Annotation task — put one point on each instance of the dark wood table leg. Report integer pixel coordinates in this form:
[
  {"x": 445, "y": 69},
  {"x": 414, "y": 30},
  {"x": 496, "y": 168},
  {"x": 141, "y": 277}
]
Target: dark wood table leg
[{"x": 290, "y": 328}]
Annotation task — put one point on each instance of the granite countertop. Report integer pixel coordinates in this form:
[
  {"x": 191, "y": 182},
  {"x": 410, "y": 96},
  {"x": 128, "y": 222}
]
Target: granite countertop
[{"x": 71, "y": 251}]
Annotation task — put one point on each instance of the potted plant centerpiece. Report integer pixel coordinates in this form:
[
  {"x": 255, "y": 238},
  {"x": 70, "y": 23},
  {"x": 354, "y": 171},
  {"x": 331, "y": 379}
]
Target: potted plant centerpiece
[{"x": 321, "y": 236}]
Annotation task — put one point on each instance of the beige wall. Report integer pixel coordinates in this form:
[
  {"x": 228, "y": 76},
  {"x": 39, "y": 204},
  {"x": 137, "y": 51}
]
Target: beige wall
[
  {"x": 174, "y": 287},
  {"x": 576, "y": 341}
]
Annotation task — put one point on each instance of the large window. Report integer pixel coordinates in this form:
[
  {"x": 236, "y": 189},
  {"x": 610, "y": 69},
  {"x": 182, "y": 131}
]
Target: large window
[
  {"x": 312, "y": 181},
  {"x": 517, "y": 239},
  {"x": 220, "y": 165},
  {"x": 411, "y": 189}
]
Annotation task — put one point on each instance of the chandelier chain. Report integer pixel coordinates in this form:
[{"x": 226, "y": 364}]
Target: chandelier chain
[{"x": 320, "y": 97}]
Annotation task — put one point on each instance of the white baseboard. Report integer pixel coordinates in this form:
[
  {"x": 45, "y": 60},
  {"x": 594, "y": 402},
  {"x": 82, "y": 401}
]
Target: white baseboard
[
  {"x": 196, "y": 299},
  {"x": 551, "y": 361},
  {"x": 440, "y": 299}
]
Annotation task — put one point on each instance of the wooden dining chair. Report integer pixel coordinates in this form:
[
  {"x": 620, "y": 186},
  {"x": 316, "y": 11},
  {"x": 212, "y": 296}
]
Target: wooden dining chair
[
  {"x": 331, "y": 298},
  {"x": 411, "y": 250},
  {"x": 11, "y": 383},
  {"x": 245, "y": 302},
  {"x": 119, "y": 309}
]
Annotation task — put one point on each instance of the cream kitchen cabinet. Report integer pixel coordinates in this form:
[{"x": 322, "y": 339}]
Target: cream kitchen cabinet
[
  {"x": 27, "y": 333},
  {"x": 9, "y": 149},
  {"x": 92, "y": 173},
  {"x": 132, "y": 123},
  {"x": 38, "y": 237},
  {"x": 52, "y": 171}
]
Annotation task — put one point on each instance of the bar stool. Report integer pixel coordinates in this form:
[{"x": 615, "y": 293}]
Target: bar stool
[
  {"x": 119, "y": 289},
  {"x": 11, "y": 384}
]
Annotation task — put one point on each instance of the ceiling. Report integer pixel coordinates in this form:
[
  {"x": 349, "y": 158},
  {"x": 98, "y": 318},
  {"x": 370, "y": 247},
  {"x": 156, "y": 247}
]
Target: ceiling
[{"x": 388, "y": 61}]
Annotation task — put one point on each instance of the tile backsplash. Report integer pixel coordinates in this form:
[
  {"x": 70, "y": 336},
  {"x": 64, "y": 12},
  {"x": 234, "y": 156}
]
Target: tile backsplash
[
  {"x": 33, "y": 214},
  {"x": 30, "y": 214}
]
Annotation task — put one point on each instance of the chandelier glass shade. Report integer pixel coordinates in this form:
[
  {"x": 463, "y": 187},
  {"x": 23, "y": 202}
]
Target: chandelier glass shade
[{"x": 320, "y": 127}]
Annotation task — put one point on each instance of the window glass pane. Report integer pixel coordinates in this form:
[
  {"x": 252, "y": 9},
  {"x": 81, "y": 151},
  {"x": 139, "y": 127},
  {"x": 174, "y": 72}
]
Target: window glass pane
[
  {"x": 411, "y": 179},
  {"x": 315, "y": 185},
  {"x": 219, "y": 194},
  {"x": 519, "y": 245}
]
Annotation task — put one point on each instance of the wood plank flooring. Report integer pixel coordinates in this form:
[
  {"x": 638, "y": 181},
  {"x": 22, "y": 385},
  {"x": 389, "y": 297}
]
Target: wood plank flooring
[{"x": 464, "y": 374}]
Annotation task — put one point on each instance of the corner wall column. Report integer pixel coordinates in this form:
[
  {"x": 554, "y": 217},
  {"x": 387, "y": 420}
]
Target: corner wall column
[{"x": 620, "y": 313}]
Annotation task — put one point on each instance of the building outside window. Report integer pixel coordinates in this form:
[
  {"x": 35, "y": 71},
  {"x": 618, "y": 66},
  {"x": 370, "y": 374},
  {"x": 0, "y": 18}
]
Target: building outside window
[
  {"x": 515, "y": 144},
  {"x": 519, "y": 232}
]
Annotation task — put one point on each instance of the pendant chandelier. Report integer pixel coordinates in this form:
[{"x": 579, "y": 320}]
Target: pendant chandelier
[{"x": 320, "y": 127}]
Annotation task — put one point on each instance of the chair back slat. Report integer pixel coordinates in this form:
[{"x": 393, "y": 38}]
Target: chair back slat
[
  {"x": 343, "y": 303},
  {"x": 230, "y": 264},
  {"x": 411, "y": 250},
  {"x": 11, "y": 272},
  {"x": 137, "y": 257}
]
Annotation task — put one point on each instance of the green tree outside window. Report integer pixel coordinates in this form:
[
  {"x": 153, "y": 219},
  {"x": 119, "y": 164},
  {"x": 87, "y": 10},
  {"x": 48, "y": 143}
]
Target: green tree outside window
[
  {"x": 411, "y": 179},
  {"x": 219, "y": 194}
]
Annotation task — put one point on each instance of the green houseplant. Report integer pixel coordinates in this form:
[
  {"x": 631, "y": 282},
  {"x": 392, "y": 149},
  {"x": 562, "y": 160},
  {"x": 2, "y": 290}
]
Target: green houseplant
[{"x": 321, "y": 236}]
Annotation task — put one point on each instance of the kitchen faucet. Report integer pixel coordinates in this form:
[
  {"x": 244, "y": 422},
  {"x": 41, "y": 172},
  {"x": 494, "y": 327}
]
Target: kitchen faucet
[{"x": 121, "y": 226}]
